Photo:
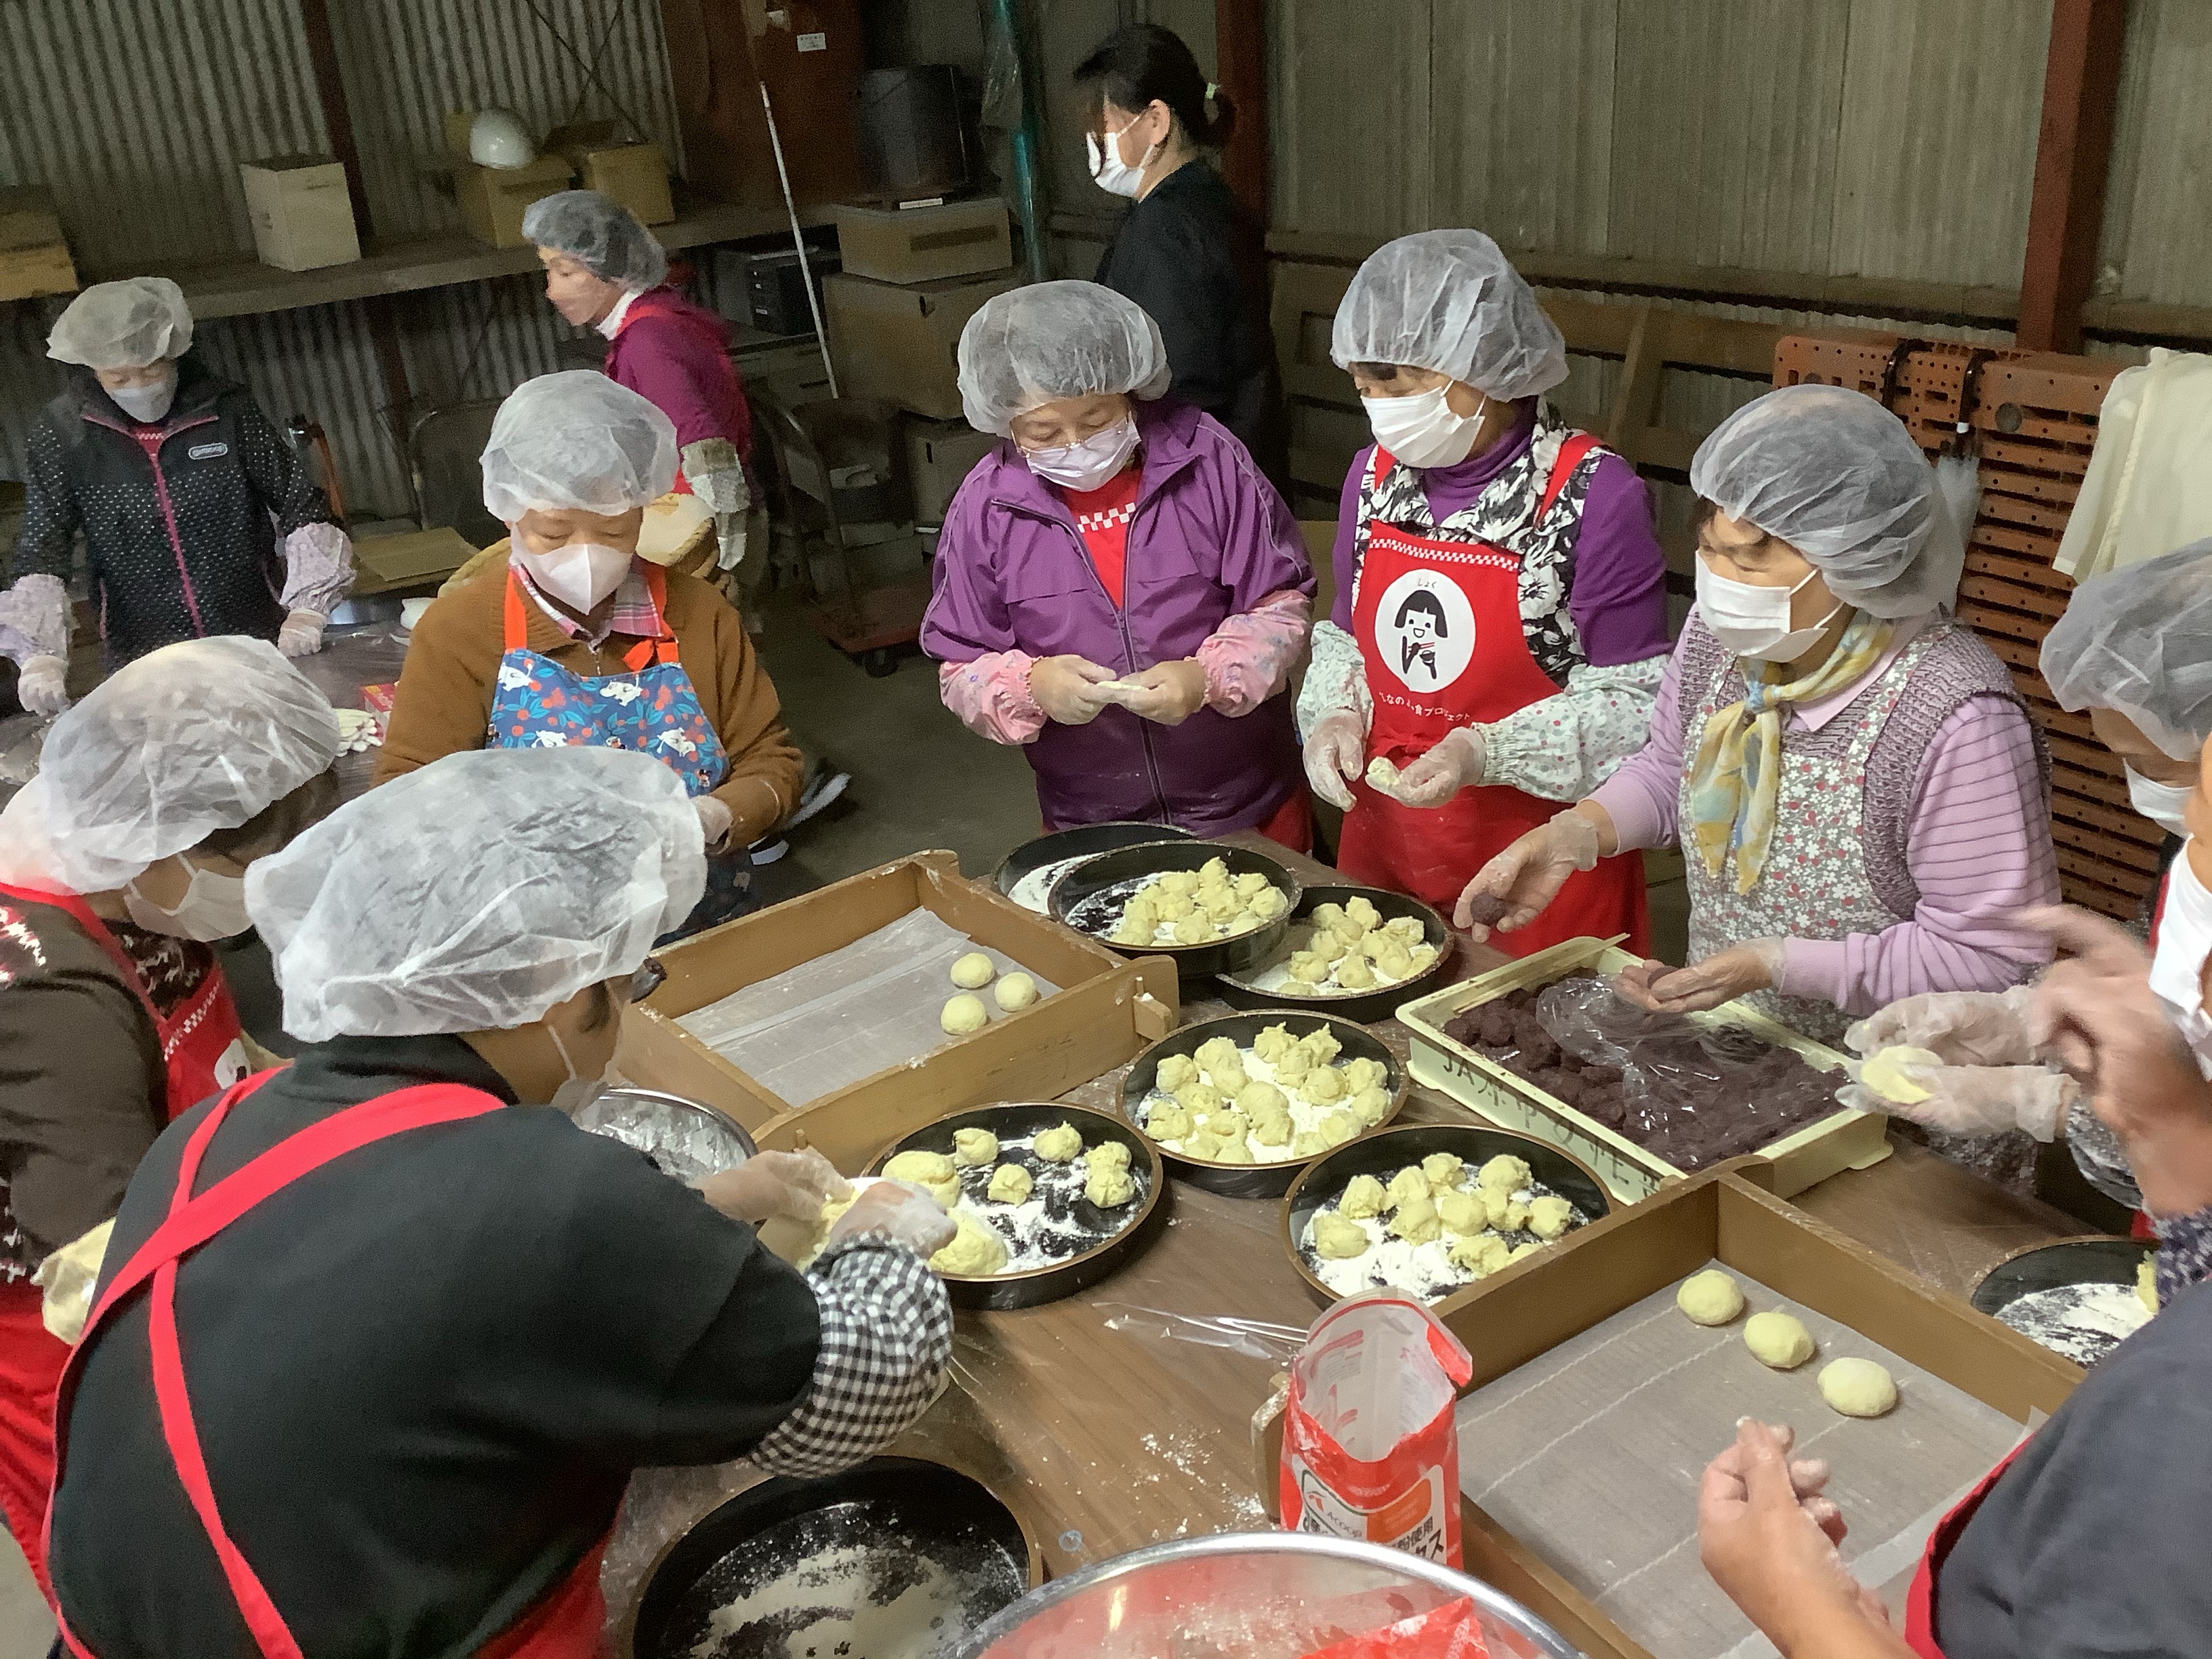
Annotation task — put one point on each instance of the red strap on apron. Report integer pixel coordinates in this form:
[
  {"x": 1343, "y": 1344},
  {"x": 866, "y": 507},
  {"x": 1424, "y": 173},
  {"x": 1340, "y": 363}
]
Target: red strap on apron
[
  {"x": 83, "y": 915},
  {"x": 1920, "y": 1598},
  {"x": 662, "y": 650}
]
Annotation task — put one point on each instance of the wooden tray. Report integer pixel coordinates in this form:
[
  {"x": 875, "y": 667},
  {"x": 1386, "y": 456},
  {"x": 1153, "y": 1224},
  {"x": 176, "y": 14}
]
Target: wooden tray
[{"x": 1845, "y": 1140}]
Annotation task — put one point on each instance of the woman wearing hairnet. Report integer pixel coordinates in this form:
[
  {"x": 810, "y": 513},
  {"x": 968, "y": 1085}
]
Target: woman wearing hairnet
[
  {"x": 1860, "y": 797},
  {"x": 604, "y": 271},
  {"x": 1118, "y": 587},
  {"x": 119, "y": 863},
  {"x": 173, "y": 477},
  {"x": 1500, "y": 623},
  {"x": 574, "y": 639},
  {"x": 402, "y": 1379}
]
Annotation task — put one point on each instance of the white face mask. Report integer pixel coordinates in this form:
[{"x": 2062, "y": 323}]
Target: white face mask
[
  {"x": 1422, "y": 430},
  {"x": 1753, "y": 623},
  {"x": 581, "y": 575},
  {"x": 2177, "y": 972},
  {"x": 1088, "y": 464},
  {"x": 213, "y": 907},
  {"x": 146, "y": 404},
  {"x": 1109, "y": 172},
  {"x": 2163, "y": 804}
]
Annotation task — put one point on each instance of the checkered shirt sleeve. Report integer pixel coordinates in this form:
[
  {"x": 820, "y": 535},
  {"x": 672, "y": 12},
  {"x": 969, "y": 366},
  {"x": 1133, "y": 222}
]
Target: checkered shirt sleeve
[{"x": 886, "y": 1340}]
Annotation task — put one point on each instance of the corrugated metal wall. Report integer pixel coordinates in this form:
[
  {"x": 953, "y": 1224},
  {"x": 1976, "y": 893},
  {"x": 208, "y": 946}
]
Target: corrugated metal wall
[{"x": 2158, "y": 219}]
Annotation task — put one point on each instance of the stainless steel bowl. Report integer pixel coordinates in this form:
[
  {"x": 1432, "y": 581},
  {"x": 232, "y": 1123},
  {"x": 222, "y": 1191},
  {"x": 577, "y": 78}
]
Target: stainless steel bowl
[{"x": 685, "y": 1140}]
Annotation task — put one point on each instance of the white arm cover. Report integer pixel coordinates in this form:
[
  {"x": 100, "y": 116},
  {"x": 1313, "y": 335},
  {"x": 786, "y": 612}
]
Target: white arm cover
[
  {"x": 318, "y": 569},
  {"x": 35, "y": 620},
  {"x": 1562, "y": 747},
  {"x": 1336, "y": 681}
]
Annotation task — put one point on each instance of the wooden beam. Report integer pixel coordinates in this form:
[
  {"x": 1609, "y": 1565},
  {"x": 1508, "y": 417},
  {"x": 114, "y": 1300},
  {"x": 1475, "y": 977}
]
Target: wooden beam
[
  {"x": 2081, "y": 85},
  {"x": 338, "y": 115},
  {"x": 1240, "y": 54}
]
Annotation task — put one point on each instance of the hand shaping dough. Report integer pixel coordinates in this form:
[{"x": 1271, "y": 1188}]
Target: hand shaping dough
[
  {"x": 975, "y": 1252},
  {"x": 1777, "y": 1339},
  {"x": 1883, "y": 1074},
  {"x": 1058, "y": 1144},
  {"x": 973, "y": 1148},
  {"x": 1338, "y": 1239},
  {"x": 933, "y": 1171},
  {"x": 1710, "y": 1297},
  {"x": 963, "y": 1014},
  {"x": 1010, "y": 1184},
  {"x": 1857, "y": 1388},
  {"x": 1015, "y": 992},
  {"x": 1503, "y": 1174},
  {"x": 1549, "y": 1217},
  {"x": 974, "y": 971},
  {"x": 1362, "y": 1198}
]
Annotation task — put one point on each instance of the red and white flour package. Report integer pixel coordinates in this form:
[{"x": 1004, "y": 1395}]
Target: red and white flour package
[
  {"x": 1370, "y": 1447},
  {"x": 1453, "y": 1630}
]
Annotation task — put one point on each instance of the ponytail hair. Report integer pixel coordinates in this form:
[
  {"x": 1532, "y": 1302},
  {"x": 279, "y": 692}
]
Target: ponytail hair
[{"x": 1145, "y": 63}]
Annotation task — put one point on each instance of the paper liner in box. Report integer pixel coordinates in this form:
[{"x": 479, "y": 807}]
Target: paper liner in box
[
  {"x": 1453, "y": 1630},
  {"x": 1371, "y": 1448}
]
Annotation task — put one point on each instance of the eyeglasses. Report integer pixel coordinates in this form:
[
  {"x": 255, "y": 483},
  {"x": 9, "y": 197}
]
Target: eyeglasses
[{"x": 651, "y": 974}]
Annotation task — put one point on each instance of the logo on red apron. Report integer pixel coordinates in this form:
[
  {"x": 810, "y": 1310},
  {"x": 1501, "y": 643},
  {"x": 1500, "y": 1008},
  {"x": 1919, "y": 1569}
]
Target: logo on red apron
[{"x": 1424, "y": 630}]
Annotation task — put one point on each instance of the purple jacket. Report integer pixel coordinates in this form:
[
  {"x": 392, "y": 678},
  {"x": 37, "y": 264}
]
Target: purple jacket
[
  {"x": 676, "y": 357},
  {"x": 1210, "y": 539}
]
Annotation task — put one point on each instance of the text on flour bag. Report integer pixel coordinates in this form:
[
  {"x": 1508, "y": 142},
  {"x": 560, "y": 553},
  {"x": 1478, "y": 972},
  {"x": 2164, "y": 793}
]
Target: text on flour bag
[{"x": 1370, "y": 1447}]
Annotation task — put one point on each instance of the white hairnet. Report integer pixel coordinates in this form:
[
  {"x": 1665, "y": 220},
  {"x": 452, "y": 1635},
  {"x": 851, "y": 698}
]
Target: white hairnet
[
  {"x": 1035, "y": 345},
  {"x": 478, "y": 893},
  {"x": 1449, "y": 301},
  {"x": 1837, "y": 476},
  {"x": 2138, "y": 640},
  {"x": 125, "y": 324},
  {"x": 191, "y": 738},
  {"x": 576, "y": 440},
  {"x": 602, "y": 233}
]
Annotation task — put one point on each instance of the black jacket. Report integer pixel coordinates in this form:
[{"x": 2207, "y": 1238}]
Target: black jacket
[
  {"x": 180, "y": 540},
  {"x": 1174, "y": 254}
]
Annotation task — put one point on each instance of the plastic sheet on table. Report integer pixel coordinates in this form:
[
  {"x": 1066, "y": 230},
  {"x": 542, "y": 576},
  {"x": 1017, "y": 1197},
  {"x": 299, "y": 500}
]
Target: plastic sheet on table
[
  {"x": 1255, "y": 1338},
  {"x": 1591, "y": 1453},
  {"x": 856, "y": 1010}
]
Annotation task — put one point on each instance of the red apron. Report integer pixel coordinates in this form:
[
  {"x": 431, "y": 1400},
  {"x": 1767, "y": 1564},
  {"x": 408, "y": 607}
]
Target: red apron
[
  {"x": 565, "y": 1623},
  {"x": 202, "y": 1053},
  {"x": 1920, "y": 1598},
  {"x": 1438, "y": 623}
]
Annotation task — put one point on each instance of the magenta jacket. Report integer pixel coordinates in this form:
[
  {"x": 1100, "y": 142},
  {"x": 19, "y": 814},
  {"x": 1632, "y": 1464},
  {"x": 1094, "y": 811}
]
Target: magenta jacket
[
  {"x": 1211, "y": 541},
  {"x": 676, "y": 357}
]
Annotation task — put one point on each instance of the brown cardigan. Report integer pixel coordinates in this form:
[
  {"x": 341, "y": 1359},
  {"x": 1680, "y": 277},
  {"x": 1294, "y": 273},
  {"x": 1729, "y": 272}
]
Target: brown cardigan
[{"x": 444, "y": 703}]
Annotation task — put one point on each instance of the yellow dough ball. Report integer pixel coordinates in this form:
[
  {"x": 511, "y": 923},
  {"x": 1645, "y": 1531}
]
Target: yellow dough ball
[
  {"x": 1196, "y": 928},
  {"x": 1517, "y": 1217},
  {"x": 1884, "y": 1074},
  {"x": 1337, "y": 1126},
  {"x": 1406, "y": 930},
  {"x": 1338, "y": 1239},
  {"x": 1294, "y": 1065},
  {"x": 1233, "y": 1150},
  {"x": 1369, "y": 1106},
  {"x": 975, "y": 1252},
  {"x": 1354, "y": 973},
  {"x": 1444, "y": 1170},
  {"x": 963, "y": 1014},
  {"x": 1272, "y": 1128},
  {"x": 1015, "y": 992},
  {"x": 1496, "y": 1203},
  {"x": 1227, "y": 1122},
  {"x": 1360, "y": 909},
  {"x": 1550, "y": 1217},
  {"x": 1482, "y": 1256},
  {"x": 1179, "y": 881},
  {"x": 1058, "y": 1144},
  {"x": 1777, "y": 1339},
  {"x": 1323, "y": 1085},
  {"x": 1520, "y": 1250},
  {"x": 1408, "y": 1184},
  {"x": 1268, "y": 903},
  {"x": 1219, "y": 903},
  {"x": 1327, "y": 914},
  {"x": 1274, "y": 1042},
  {"x": 1255, "y": 1099},
  {"x": 1307, "y": 969},
  {"x": 1417, "y": 1221},
  {"x": 933, "y": 1171},
  {"x": 1217, "y": 1051},
  {"x": 1393, "y": 961},
  {"x": 973, "y": 1148},
  {"x": 1203, "y": 1146},
  {"x": 1174, "y": 1072},
  {"x": 1108, "y": 1186},
  {"x": 1010, "y": 1184},
  {"x": 1135, "y": 930},
  {"x": 974, "y": 971},
  {"x": 1228, "y": 1077},
  {"x": 1201, "y": 1097},
  {"x": 1213, "y": 874},
  {"x": 1362, "y": 1198},
  {"x": 1176, "y": 907},
  {"x": 1107, "y": 1155},
  {"x": 1364, "y": 1073},
  {"x": 1308, "y": 1143},
  {"x": 1857, "y": 1388},
  {"x": 1249, "y": 881},
  {"x": 1321, "y": 1044},
  {"x": 1168, "y": 1120},
  {"x": 1503, "y": 1174},
  {"x": 1422, "y": 958},
  {"x": 1462, "y": 1212}
]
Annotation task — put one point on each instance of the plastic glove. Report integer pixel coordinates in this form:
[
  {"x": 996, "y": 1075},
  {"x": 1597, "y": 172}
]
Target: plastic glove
[
  {"x": 903, "y": 1212},
  {"x": 795, "y": 1185},
  {"x": 1964, "y": 1028},
  {"x": 1738, "y": 971},
  {"x": 1335, "y": 750},
  {"x": 1975, "y": 1100},
  {"x": 1527, "y": 875},
  {"x": 714, "y": 818},
  {"x": 729, "y": 540},
  {"x": 716, "y": 475},
  {"x": 1167, "y": 693},
  {"x": 1067, "y": 688},
  {"x": 1454, "y": 764},
  {"x": 302, "y": 635},
  {"x": 42, "y": 685}
]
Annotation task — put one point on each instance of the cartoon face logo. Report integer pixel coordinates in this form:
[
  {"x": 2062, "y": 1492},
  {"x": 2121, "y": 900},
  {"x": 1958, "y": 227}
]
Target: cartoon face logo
[
  {"x": 624, "y": 692},
  {"x": 1425, "y": 631},
  {"x": 512, "y": 679}
]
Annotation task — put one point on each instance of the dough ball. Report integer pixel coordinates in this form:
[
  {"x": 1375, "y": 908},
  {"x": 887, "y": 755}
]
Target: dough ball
[
  {"x": 923, "y": 1169},
  {"x": 1517, "y": 1217},
  {"x": 1348, "y": 930},
  {"x": 1372, "y": 945},
  {"x": 1406, "y": 930},
  {"x": 1710, "y": 1297},
  {"x": 1203, "y": 1146},
  {"x": 1327, "y": 914},
  {"x": 1010, "y": 1184},
  {"x": 1353, "y": 974},
  {"x": 963, "y": 1014},
  {"x": 1272, "y": 1128},
  {"x": 1168, "y": 1120},
  {"x": 1294, "y": 1065},
  {"x": 1369, "y": 1106},
  {"x": 1499, "y": 1204},
  {"x": 1179, "y": 881},
  {"x": 1243, "y": 922},
  {"x": 1196, "y": 928},
  {"x": 1256, "y": 1098},
  {"x": 1201, "y": 1097},
  {"x": 1321, "y": 1044},
  {"x": 1777, "y": 1339},
  {"x": 1107, "y": 1155},
  {"x": 1857, "y": 1388},
  {"x": 1268, "y": 903},
  {"x": 1327, "y": 945},
  {"x": 1883, "y": 1074},
  {"x": 1227, "y": 1122},
  {"x": 1362, "y": 1198},
  {"x": 1383, "y": 774},
  {"x": 1360, "y": 909},
  {"x": 1462, "y": 1212},
  {"x": 1233, "y": 1151},
  {"x": 1549, "y": 1217},
  {"x": 1249, "y": 881},
  {"x": 1417, "y": 1221},
  {"x": 1337, "y": 1126},
  {"x": 1393, "y": 961},
  {"x": 1177, "y": 907},
  {"x": 1135, "y": 930},
  {"x": 2147, "y": 1283},
  {"x": 1408, "y": 1184},
  {"x": 1422, "y": 958},
  {"x": 975, "y": 1252},
  {"x": 1520, "y": 1250},
  {"x": 1482, "y": 1256},
  {"x": 1015, "y": 992},
  {"x": 1230, "y": 1078},
  {"x": 1338, "y": 1239},
  {"x": 1323, "y": 1085},
  {"x": 974, "y": 971},
  {"x": 1213, "y": 874},
  {"x": 1220, "y": 903},
  {"x": 1307, "y": 969},
  {"x": 1217, "y": 1051},
  {"x": 1110, "y": 1185},
  {"x": 1174, "y": 1072},
  {"x": 973, "y": 1148},
  {"x": 1274, "y": 1042},
  {"x": 1444, "y": 1170},
  {"x": 1058, "y": 1144},
  {"x": 1364, "y": 1073},
  {"x": 1308, "y": 1143},
  {"x": 1503, "y": 1174}
]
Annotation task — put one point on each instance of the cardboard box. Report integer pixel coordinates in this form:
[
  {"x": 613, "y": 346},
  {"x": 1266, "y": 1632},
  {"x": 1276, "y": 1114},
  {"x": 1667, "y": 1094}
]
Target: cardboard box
[
  {"x": 35, "y": 258},
  {"x": 925, "y": 244},
  {"x": 302, "y": 216},
  {"x": 634, "y": 175},
  {"x": 492, "y": 199},
  {"x": 939, "y": 454},
  {"x": 897, "y": 341},
  {"x": 1107, "y": 1010},
  {"x": 27, "y": 220},
  {"x": 414, "y": 558}
]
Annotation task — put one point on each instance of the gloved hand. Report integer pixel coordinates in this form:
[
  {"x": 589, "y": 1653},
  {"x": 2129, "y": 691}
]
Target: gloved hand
[
  {"x": 795, "y": 1185},
  {"x": 1067, "y": 688},
  {"x": 302, "y": 635},
  {"x": 1512, "y": 889},
  {"x": 1738, "y": 971},
  {"x": 714, "y": 818},
  {"x": 1168, "y": 694},
  {"x": 1335, "y": 750},
  {"x": 716, "y": 475},
  {"x": 1454, "y": 764},
  {"x": 1974, "y": 1100},
  {"x": 41, "y": 684},
  {"x": 1963, "y": 1028},
  {"x": 901, "y": 1211},
  {"x": 729, "y": 540}
]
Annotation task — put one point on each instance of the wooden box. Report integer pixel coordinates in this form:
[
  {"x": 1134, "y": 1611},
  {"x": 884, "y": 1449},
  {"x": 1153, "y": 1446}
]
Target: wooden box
[
  {"x": 492, "y": 199},
  {"x": 1845, "y": 1140},
  {"x": 302, "y": 216},
  {"x": 1106, "y": 1010},
  {"x": 925, "y": 244},
  {"x": 898, "y": 341}
]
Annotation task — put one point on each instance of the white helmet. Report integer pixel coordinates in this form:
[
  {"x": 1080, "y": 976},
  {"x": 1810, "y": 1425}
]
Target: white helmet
[{"x": 497, "y": 138}]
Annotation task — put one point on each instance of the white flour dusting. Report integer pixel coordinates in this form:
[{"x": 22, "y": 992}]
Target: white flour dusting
[
  {"x": 826, "y": 1606},
  {"x": 1057, "y": 1223},
  {"x": 2084, "y": 1322},
  {"x": 1426, "y": 1271},
  {"x": 1032, "y": 891},
  {"x": 1305, "y": 1114}
]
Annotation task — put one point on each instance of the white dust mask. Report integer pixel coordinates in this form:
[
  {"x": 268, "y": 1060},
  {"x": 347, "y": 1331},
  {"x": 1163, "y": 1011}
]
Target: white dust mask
[
  {"x": 1752, "y": 622},
  {"x": 146, "y": 404},
  {"x": 1421, "y": 430},
  {"x": 213, "y": 907},
  {"x": 2177, "y": 972},
  {"x": 2163, "y": 804},
  {"x": 1109, "y": 172},
  {"x": 581, "y": 575},
  {"x": 578, "y": 1092},
  {"x": 1088, "y": 464}
]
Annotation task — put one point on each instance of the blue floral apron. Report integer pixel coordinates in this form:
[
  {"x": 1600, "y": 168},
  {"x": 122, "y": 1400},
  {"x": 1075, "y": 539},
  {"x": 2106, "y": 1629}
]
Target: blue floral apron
[{"x": 654, "y": 709}]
